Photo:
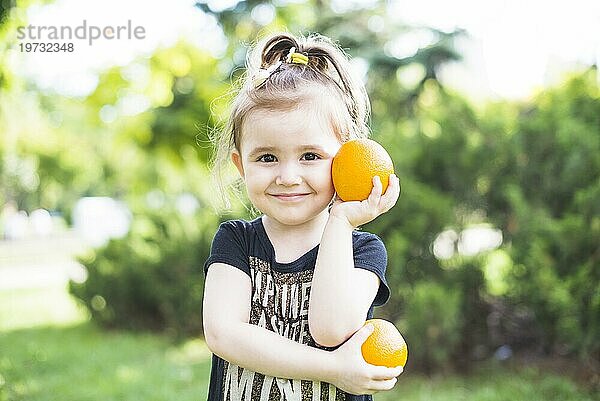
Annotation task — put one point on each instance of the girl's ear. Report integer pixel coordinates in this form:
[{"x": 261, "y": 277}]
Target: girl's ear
[{"x": 236, "y": 158}]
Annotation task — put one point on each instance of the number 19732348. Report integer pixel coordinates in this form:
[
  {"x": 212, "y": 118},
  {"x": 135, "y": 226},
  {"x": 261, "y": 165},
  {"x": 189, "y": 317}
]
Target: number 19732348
[{"x": 43, "y": 47}]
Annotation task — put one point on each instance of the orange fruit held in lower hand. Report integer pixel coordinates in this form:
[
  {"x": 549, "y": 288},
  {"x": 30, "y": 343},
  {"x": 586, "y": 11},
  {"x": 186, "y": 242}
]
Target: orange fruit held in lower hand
[
  {"x": 385, "y": 346},
  {"x": 354, "y": 166}
]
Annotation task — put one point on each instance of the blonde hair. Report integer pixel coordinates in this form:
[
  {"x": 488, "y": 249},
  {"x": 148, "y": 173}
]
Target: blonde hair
[{"x": 273, "y": 83}]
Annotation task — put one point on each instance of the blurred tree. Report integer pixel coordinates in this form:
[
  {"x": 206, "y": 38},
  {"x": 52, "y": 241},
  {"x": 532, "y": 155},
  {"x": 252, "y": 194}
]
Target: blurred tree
[
  {"x": 370, "y": 34},
  {"x": 549, "y": 210}
]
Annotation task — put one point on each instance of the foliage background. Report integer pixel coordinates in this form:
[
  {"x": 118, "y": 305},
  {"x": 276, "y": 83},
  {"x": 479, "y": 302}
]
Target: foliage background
[{"x": 530, "y": 169}]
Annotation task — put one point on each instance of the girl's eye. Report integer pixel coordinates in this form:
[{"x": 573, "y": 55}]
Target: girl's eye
[
  {"x": 267, "y": 158},
  {"x": 310, "y": 156}
]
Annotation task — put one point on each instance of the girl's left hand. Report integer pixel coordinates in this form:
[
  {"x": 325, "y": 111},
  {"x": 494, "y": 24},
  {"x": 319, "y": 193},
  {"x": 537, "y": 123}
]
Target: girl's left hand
[{"x": 358, "y": 213}]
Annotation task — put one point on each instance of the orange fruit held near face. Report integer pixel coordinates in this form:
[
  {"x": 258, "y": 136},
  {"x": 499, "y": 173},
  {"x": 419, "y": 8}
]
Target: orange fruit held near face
[
  {"x": 354, "y": 166},
  {"x": 385, "y": 346}
]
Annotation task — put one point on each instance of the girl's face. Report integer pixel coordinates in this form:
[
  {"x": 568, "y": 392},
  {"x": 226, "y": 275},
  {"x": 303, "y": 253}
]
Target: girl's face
[{"x": 285, "y": 160}]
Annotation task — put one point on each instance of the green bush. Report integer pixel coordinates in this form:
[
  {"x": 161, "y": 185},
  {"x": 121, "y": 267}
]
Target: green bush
[
  {"x": 152, "y": 278},
  {"x": 433, "y": 319},
  {"x": 531, "y": 170},
  {"x": 551, "y": 214}
]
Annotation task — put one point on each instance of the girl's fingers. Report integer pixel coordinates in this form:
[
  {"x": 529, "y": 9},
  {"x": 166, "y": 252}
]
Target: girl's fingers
[
  {"x": 383, "y": 385},
  {"x": 376, "y": 191},
  {"x": 388, "y": 200},
  {"x": 384, "y": 373}
]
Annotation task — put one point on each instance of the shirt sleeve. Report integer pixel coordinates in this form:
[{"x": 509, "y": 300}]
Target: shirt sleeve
[
  {"x": 370, "y": 254},
  {"x": 230, "y": 246}
]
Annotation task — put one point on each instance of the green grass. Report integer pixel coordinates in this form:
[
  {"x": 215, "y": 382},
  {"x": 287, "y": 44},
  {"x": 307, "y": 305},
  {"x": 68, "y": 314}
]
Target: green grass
[
  {"x": 50, "y": 351},
  {"x": 24, "y": 308},
  {"x": 488, "y": 384},
  {"x": 85, "y": 363}
]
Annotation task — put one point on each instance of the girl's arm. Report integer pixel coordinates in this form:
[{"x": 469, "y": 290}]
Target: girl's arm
[
  {"x": 342, "y": 295},
  {"x": 228, "y": 334},
  {"x": 226, "y": 309}
]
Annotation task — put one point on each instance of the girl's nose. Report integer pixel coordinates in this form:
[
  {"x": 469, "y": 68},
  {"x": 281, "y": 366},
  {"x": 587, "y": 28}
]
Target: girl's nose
[{"x": 288, "y": 174}]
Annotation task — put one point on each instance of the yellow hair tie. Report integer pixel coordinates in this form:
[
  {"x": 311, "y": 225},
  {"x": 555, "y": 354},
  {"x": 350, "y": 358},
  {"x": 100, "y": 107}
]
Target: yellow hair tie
[
  {"x": 296, "y": 58},
  {"x": 299, "y": 58}
]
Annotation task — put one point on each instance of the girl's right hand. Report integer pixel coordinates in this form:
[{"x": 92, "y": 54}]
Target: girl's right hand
[
  {"x": 354, "y": 375},
  {"x": 358, "y": 213}
]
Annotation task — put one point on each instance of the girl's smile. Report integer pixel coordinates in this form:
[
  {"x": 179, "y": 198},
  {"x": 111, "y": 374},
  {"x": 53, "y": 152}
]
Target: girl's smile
[{"x": 291, "y": 197}]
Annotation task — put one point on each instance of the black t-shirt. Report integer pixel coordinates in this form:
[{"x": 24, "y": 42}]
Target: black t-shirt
[{"x": 280, "y": 299}]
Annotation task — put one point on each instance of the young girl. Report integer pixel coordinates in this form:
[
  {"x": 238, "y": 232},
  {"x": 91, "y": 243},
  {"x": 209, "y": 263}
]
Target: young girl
[{"x": 283, "y": 291}]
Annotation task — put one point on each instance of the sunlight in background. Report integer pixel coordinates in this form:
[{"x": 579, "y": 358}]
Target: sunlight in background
[
  {"x": 76, "y": 74},
  {"x": 469, "y": 242},
  {"x": 512, "y": 48}
]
